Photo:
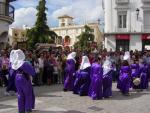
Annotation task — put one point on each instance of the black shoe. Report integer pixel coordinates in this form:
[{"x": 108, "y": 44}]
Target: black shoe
[{"x": 65, "y": 90}]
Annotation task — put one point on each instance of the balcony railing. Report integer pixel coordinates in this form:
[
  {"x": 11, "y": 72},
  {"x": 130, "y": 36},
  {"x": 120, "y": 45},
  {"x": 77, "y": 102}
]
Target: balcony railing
[
  {"x": 122, "y": 1},
  {"x": 6, "y": 12}
]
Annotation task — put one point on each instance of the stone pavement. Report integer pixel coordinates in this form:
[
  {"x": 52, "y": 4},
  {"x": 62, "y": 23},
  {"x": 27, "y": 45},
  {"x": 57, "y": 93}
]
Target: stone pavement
[{"x": 51, "y": 99}]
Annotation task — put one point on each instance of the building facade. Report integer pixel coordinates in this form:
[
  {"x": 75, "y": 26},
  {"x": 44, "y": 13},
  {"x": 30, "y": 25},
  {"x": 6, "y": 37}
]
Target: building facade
[
  {"x": 67, "y": 31},
  {"x": 6, "y": 18},
  {"x": 17, "y": 35},
  {"x": 127, "y": 24}
]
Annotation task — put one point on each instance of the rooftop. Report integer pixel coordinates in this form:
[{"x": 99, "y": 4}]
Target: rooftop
[{"x": 65, "y": 16}]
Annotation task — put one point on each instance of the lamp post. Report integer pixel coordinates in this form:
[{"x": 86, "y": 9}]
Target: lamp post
[{"x": 137, "y": 13}]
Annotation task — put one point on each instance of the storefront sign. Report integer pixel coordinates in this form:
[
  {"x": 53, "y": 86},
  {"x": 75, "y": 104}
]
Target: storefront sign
[
  {"x": 146, "y": 37},
  {"x": 123, "y": 36}
]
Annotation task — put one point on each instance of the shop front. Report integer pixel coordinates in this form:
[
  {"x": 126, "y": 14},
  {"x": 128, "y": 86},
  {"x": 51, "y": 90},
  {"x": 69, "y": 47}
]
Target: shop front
[
  {"x": 122, "y": 42},
  {"x": 145, "y": 41}
]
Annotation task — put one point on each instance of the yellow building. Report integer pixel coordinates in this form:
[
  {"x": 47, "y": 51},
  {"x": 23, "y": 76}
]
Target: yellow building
[{"x": 67, "y": 31}]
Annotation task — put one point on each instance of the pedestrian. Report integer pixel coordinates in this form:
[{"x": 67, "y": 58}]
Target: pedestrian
[
  {"x": 41, "y": 67},
  {"x": 69, "y": 72},
  {"x": 24, "y": 72},
  {"x": 124, "y": 78},
  {"x": 82, "y": 82},
  {"x": 95, "y": 91},
  {"x": 143, "y": 70},
  {"x": 107, "y": 78}
]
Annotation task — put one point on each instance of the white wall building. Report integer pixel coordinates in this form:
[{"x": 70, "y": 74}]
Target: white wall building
[
  {"x": 127, "y": 24},
  {"x": 67, "y": 31},
  {"x": 6, "y": 18}
]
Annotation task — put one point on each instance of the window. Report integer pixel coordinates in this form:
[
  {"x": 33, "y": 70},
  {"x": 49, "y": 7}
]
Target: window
[
  {"x": 122, "y": 19},
  {"x": 62, "y": 24}
]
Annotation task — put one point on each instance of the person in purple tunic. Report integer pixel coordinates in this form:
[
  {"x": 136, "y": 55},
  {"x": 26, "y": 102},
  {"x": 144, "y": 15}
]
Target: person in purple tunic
[
  {"x": 124, "y": 78},
  {"x": 143, "y": 70},
  {"x": 69, "y": 72},
  {"x": 24, "y": 72},
  {"x": 135, "y": 73},
  {"x": 107, "y": 78},
  {"x": 95, "y": 91},
  {"x": 82, "y": 81}
]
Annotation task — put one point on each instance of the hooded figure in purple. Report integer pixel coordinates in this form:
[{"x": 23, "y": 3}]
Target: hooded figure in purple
[
  {"x": 143, "y": 70},
  {"x": 82, "y": 82},
  {"x": 107, "y": 78},
  {"x": 69, "y": 72},
  {"x": 24, "y": 72},
  {"x": 12, "y": 75},
  {"x": 95, "y": 91},
  {"x": 135, "y": 74},
  {"x": 124, "y": 78},
  {"x": 124, "y": 82}
]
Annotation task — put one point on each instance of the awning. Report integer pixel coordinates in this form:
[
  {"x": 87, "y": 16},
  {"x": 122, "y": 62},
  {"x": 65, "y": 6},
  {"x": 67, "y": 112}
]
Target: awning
[
  {"x": 145, "y": 37},
  {"x": 123, "y": 36}
]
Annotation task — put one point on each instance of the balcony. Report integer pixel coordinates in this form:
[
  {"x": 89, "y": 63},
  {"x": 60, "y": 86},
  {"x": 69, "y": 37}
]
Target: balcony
[
  {"x": 6, "y": 12},
  {"x": 122, "y": 1}
]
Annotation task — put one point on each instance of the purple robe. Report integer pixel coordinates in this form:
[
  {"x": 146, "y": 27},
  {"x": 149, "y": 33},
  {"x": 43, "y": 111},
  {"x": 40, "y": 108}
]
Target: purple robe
[
  {"x": 26, "y": 98},
  {"x": 144, "y": 76},
  {"x": 11, "y": 81},
  {"x": 135, "y": 74},
  {"x": 124, "y": 79},
  {"x": 95, "y": 91},
  {"x": 69, "y": 75},
  {"x": 82, "y": 82},
  {"x": 107, "y": 84}
]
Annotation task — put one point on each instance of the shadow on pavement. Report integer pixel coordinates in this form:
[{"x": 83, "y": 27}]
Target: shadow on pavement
[
  {"x": 70, "y": 111},
  {"x": 118, "y": 96},
  {"x": 46, "y": 95},
  {"x": 6, "y": 106}
]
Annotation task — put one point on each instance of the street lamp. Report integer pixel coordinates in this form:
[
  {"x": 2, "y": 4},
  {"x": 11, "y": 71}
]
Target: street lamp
[{"x": 137, "y": 13}]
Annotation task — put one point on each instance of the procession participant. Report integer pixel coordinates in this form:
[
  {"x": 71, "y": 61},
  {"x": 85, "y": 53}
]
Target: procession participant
[
  {"x": 124, "y": 78},
  {"x": 95, "y": 91},
  {"x": 107, "y": 78},
  {"x": 69, "y": 72},
  {"x": 82, "y": 82},
  {"x": 24, "y": 71},
  {"x": 143, "y": 70},
  {"x": 135, "y": 74},
  {"x": 11, "y": 80}
]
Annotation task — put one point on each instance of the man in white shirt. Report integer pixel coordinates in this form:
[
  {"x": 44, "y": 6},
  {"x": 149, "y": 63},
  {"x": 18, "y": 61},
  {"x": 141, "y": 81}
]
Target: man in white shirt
[{"x": 41, "y": 68}]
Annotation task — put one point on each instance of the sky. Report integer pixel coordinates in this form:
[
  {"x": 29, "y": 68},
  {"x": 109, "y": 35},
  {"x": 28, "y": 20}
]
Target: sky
[{"x": 83, "y": 11}]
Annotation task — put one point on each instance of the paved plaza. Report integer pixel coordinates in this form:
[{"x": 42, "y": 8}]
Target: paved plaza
[{"x": 51, "y": 99}]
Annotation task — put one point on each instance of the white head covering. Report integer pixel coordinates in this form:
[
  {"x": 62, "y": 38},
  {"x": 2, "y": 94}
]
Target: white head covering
[
  {"x": 85, "y": 63},
  {"x": 11, "y": 55},
  {"x": 71, "y": 56},
  {"x": 107, "y": 66},
  {"x": 17, "y": 58},
  {"x": 126, "y": 56}
]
